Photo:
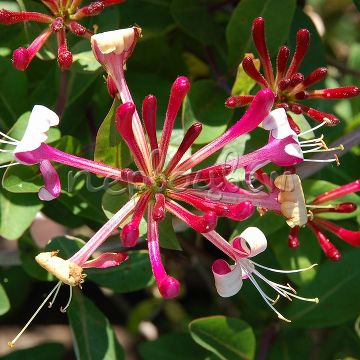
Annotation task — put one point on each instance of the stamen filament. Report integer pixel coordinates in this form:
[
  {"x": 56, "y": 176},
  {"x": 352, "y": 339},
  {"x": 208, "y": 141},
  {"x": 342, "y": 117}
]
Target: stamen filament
[
  {"x": 54, "y": 297},
  {"x": 284, "y": 271},
  {"x": 325, "y": 122},
  {"x": 10, "y": 164},
  {"x": 8, "y": 137},
  {"x": 63, "y": 309},
  {"x": 12, "y": 342}
]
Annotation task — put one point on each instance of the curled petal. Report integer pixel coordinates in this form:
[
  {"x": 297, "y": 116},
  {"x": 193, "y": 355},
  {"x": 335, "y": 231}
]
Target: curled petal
[
  {"x": 250, "y": 242},
  {"x": 228, "y": 280},
  {"x": 52, "y": 188},
  {"x": 106, "y": 260},
  {"x": 40, "y": 121},
  {"x": 278, "y": 125}
]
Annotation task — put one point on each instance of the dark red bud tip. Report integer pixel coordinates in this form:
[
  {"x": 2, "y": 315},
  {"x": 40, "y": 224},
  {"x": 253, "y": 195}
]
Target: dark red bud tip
[
  {"x": 21, "y": 58},
  {"x": 6, "y": 17},
  {"x": 296, "y": 79},
  {"x": 238, "y": 101},
  {"x": 169, "y": 287},
  {"x": 65, "y": 60},
  {"x": 303, "y": 37},
  {"x": 333, "y": 254},
  {"x": 301, "y": 95},
  {"x": 293, "y": 238},
  {"x": 283, "y": 84},
  {"x": 57, "y": 24},
  {"x": 129, "y": 234},
  {"x": 258, "y": 24},
  {"x": 293, "y": 243},
  {"x": 111, "y": 87},
  {"x": 76, "y": 28},
  {"x": 125, "y": 111},
  {"x": 348, "y": 207},
  {"x": 296, "y": 109},
  {"x": 341, "y": 92},
  {"x": 94, "y": 8},
  {"x": 181, "y": 86}
]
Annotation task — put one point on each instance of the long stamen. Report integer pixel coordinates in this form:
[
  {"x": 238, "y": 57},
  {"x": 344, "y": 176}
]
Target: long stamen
[
  {"x": 340, "y": 147},
  {"x": 264, "y": 296},
  {"x": 320, "y": 139},
  {"x": 12, "y": 342},
  {"x": 54, "y": 297},
  {"x": 336, "y": 160},
  {"x": 284, "y": 271},
  {"x": 9, "y": 142},
  {"x": 325, "y": 122},
  {"x": 8, "y": 137},
  {"x": 10, "y": 164},
  {"x": 63, "y": 309}
]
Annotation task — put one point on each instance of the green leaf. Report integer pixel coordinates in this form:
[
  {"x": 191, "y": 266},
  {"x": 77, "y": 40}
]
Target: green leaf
[
  {"x": 357, "y": 4},
  {"x": 17, "y": 213},
  {"x": 205, "y": 104},
  {"x": 28, "y": 250},
  {"x": 114, "y": 198},
  {"x": 40, "y": 352},
  {"x": 83, "y": 58},
  {"x": 132, "y": 275},
  {"x": 336, "y": 286},
  {"x": 94, "y": 338},
  {"x": 195, "y": 19},
  {"x": 228, "y": 338},
  {"x": 172, "y": 346},
  {"x": 268, "y": 223},
  {"x": 14, "y": 99},
  {"x": 110, "y": 148},
  {"x": 238, "y": 32},
  {"x": 313, "y": 188},
  {"x": 4, "y": 301}
]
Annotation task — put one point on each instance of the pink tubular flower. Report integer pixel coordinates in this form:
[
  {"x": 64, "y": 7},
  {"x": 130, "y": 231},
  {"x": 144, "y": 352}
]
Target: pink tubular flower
[
  {"x": 69, "y": 272},
  {"x": 328, "y": 203},
  {"x": 289, "y": 85},
  {"x": 64, "y": 17},
  {"x": 229, "y": 278}
]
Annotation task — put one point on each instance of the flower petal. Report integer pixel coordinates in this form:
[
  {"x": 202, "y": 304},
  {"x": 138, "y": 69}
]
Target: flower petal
[
  {"x": 52, "y": 188},
  {"x": 277, "y": 123},
  {"x": 227, "y": 278},
  {"x": 106, "y": 260},
  {"x": 250, "y": 242},
  {"x": 40, "y": 121}
]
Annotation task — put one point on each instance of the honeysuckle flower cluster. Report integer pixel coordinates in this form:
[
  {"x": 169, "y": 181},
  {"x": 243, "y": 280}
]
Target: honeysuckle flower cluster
[
  {"x": 64, "y": 17},
  {"x": 164, "y": 185},
  {"x": 288, "y": 83}
]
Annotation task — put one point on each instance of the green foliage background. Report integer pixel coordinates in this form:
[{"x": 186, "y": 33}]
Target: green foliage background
[{"x": 204, "y": 40}]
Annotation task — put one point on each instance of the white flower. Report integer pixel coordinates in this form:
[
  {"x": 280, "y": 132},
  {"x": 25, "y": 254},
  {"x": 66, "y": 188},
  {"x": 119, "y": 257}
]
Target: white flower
[{"x": 40, "y": 121}]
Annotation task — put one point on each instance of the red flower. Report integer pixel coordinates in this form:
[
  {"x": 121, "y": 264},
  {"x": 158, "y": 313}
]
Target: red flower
[
  {"x": 64, "y": 17},
  {"x": 321, "y": 205},
  {"x": 289, "y": 85}
]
